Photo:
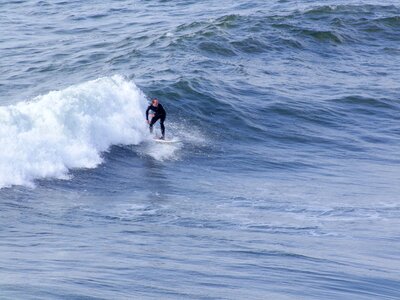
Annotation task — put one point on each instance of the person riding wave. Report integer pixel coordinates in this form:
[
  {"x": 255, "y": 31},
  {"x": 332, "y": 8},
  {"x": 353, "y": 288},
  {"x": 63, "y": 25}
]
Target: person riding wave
[{"x": 157, "y": 112}]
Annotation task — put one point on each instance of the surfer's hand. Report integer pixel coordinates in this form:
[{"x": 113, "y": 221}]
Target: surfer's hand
[{"x": 148, "y": 122}]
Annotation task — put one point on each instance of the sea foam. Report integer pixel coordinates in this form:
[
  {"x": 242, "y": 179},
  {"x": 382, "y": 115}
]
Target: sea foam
[{"x": 67, "y": 129}]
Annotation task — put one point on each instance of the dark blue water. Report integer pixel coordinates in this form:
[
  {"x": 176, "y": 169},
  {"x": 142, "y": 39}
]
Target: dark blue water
[{"x": 285, "y": 183}]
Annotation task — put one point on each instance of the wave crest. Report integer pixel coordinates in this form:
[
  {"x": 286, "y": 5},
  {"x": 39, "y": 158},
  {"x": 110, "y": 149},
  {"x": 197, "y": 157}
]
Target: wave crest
[{"x": 62, "y": 130}]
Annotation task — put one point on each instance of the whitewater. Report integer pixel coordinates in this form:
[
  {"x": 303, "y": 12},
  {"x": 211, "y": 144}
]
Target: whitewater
[{"x": 62, "y": 130}]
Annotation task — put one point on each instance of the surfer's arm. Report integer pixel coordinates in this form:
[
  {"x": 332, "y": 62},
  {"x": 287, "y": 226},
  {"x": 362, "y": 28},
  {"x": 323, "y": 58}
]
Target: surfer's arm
[
  {"x": 147, "y": 113},
  {"x": 161, "y": 109}
]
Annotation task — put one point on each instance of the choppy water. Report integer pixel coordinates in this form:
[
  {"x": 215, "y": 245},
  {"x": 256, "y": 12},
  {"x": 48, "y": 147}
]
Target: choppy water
[{"x": 285, "y": 185}]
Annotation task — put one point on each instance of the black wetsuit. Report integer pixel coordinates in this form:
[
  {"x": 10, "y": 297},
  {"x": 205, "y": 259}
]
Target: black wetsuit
[{"x": 159, "y": 114}]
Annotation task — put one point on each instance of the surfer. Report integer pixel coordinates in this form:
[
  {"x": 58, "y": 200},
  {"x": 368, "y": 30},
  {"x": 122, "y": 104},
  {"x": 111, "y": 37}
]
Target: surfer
[{"x": 157, "y": 112}]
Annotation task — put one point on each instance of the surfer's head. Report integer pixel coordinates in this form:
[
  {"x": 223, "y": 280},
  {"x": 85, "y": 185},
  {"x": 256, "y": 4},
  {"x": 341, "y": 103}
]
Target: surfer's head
[{"x": 154, "y": 101}]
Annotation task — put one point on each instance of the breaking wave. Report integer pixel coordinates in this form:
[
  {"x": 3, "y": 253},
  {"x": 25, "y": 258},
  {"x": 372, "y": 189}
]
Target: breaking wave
[{"x": 67, "y": 129}]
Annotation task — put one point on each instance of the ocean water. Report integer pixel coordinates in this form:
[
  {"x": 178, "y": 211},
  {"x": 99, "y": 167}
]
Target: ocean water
[{"x": 286, "y": 183}]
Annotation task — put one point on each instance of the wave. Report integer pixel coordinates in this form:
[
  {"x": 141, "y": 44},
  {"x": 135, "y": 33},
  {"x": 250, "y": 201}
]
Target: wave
[
  {"x": 62, "y": 130},
  {"x": 263, "y": 31},
  {"x": 350, "y": 9}
]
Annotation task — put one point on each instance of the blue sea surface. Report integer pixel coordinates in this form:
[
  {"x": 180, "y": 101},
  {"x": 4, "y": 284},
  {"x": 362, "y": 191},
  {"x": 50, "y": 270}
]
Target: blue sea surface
[{"x": 286, "y": 180}]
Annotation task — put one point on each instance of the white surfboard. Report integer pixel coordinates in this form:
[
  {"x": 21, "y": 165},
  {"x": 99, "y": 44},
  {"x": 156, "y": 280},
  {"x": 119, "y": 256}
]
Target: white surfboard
[{"x": 167, "y": 141}]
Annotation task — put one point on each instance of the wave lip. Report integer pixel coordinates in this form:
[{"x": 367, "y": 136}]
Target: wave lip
[{"x": 67, "y": 129}]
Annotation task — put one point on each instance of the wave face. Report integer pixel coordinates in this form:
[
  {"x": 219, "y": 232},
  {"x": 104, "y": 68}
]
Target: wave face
[{"x": 67, "y": 129}]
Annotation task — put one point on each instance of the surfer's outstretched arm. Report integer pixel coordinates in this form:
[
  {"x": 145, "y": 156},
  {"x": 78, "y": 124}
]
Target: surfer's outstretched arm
[{"x": 147, "y": 113}]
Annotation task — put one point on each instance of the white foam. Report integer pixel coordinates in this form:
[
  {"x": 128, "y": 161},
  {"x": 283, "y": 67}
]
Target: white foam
[
  {"x": 187, "y": 135},
  {"x": 53, "y": 133},
  {"x": 161, "y": 151}
]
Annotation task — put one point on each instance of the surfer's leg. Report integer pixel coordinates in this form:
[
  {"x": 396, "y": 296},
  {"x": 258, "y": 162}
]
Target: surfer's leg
[
  {"x": 162, "y": 119},
  {"x": 152, "y": 122}
]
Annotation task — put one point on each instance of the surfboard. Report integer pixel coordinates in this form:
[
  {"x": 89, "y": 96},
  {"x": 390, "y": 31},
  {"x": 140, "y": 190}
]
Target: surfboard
[{"x": 167, "y": 141}]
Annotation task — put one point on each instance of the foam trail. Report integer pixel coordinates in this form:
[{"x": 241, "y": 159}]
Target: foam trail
[
  {"x": 66, "y": 129},
  {"x": 186, "y": 134},
  {"x": 161, "y": 152}
]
